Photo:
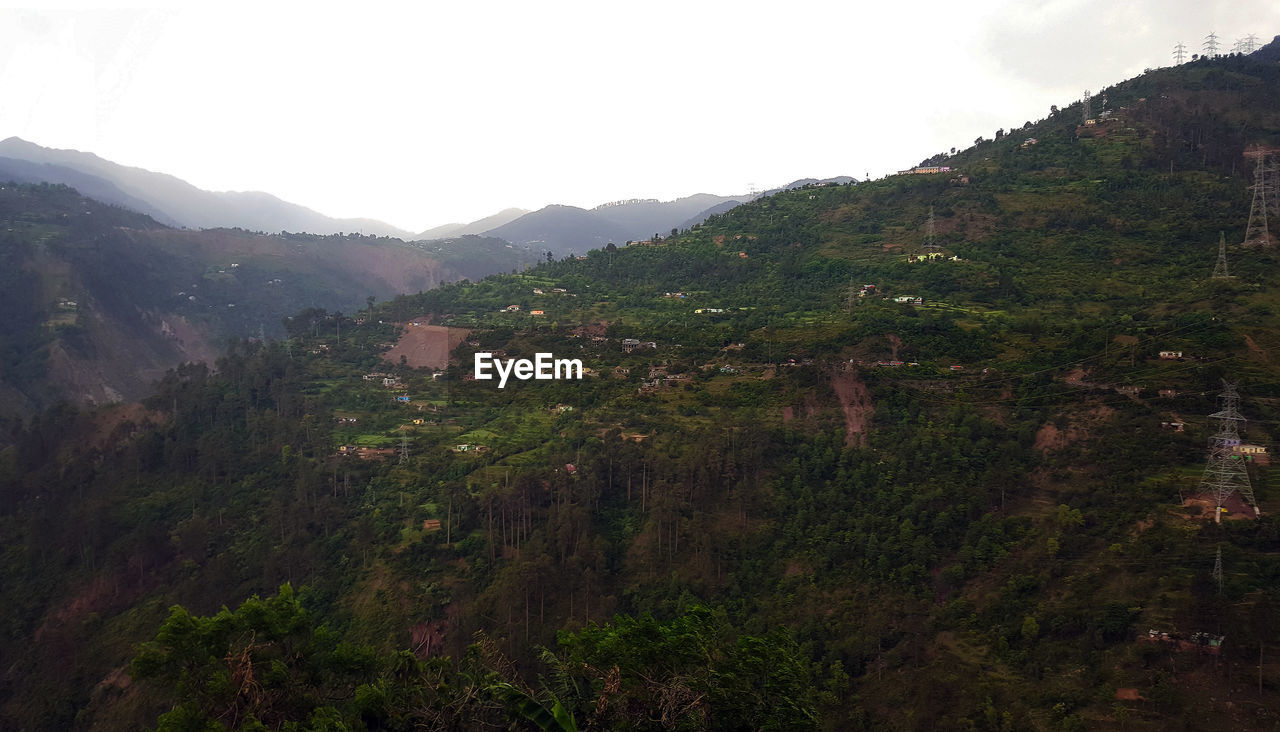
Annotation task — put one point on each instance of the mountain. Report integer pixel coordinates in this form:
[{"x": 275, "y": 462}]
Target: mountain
[
  {"x": 812, "y": 477},
  {"x": 707, "y": 213},
  {"x": 562, "y": 230},
  {"x": 478, "y": 226},
  {"x": 1269, "y": 52},
  {"x": 101, "y": 301},
  {"x": 568, "y": 229},
  {"x": 643, "y": 218},
  {"x": 169, "y": 199}
]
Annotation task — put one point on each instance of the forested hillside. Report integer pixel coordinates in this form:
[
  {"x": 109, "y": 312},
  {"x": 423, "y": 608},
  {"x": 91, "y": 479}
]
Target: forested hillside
[
  {"x": 99, "y": 301},
  {"x": 814, "y": 477}
]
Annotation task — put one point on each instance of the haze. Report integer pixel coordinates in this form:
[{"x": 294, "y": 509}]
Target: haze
[{"x": 434, "y": 114}]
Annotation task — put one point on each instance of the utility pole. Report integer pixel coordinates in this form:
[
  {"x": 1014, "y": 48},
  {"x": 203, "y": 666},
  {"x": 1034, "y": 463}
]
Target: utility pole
[
  {"x": 1257, "y": 232},
  {"x": 1225, "y": 472},
  {"x": 1220, "y": 269},
  {"x": 1179, "y": 54}
]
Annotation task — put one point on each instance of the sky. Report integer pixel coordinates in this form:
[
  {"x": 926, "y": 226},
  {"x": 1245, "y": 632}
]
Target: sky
[{"x": 448, "y": 112}]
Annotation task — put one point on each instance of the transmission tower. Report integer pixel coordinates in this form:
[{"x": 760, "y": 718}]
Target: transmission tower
[
  {"x": 1179, "y": 54},
  {"x": 1220, "y": 269},
  {"x": 404, "y": 449},
  {"x": 1257, "y": 232},
  {"x": 1086, "y": 107},
  {"x": 1246, "y": 45},
  {"x": 930, "y": 233},
  {"x": 1225, "y": 473},
  {"x": 1211, "y": 44},
  {"x": 1217, "y": 569}
]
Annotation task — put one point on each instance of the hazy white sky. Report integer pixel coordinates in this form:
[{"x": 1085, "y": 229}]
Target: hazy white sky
[{"x": 444, "y": 112}]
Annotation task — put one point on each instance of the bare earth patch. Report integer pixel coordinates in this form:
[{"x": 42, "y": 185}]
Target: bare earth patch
[
  {"x": 426, "y": 346},
  {"x": 855, "y": 402}
]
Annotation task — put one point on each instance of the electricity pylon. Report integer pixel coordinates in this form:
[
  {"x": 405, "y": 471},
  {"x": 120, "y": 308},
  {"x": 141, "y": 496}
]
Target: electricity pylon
[
  {"x": 930, "y": 232},
  {"x": 1257, "y": 231},
  {"x": 1179, "y": 54},
  {"x": 1211, "y": 44},
  {"x": 1220, "y": 269},
  {"x": 1225, "y": 472}
]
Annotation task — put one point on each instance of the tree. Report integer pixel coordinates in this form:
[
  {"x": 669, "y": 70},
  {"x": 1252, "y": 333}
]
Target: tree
[
  {"x": 692, "y": 672},
  {"x": 266, "y": 662}
]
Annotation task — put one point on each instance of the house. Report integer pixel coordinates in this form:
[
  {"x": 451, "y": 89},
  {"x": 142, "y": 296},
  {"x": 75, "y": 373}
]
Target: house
[
  {"x": 402, "y": 399},
  {"x": 1175, "y": 426},
  {"x": 537, "y": 291},
  {"x": 742, "y": 255},
  {"x": 570, "y": 468},
  {"x": 924, "y": 257},
  {"x": 390, "y": 381},
  {"x": 631, "y": 344},
  {"x": 1252, "y": 453},
  {"x": 558, "y": 289},
  {"x": 431, "y": 524},
  {"x": 536, "y": 312},
  {"x": 1029, "y": 142},
  {"x": 511, "y": 309},
  {"x": 419, "y": 421},
  {"x": 1171, "y": 355},
  {"x": 1129, "y": 389},
  {"x": 957, "y": 368}
]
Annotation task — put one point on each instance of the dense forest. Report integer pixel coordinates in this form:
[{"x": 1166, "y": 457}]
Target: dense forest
[{"x": 814, "y": 478}]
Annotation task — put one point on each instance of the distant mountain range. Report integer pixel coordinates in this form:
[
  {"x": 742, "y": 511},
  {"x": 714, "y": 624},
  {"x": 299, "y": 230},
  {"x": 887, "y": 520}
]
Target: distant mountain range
[
  {"x": 571, "y": 230},
  {"x": 170, "y": 200},
  {"x": 479, "y": 226},
  {"x": 176, "y": 203}
]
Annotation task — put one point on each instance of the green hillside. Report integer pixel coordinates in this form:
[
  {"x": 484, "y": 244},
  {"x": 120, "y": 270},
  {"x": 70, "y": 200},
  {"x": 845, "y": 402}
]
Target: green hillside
[
  {"x": 778, "y": 499},
  {"x": 100, "y": 301}
]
